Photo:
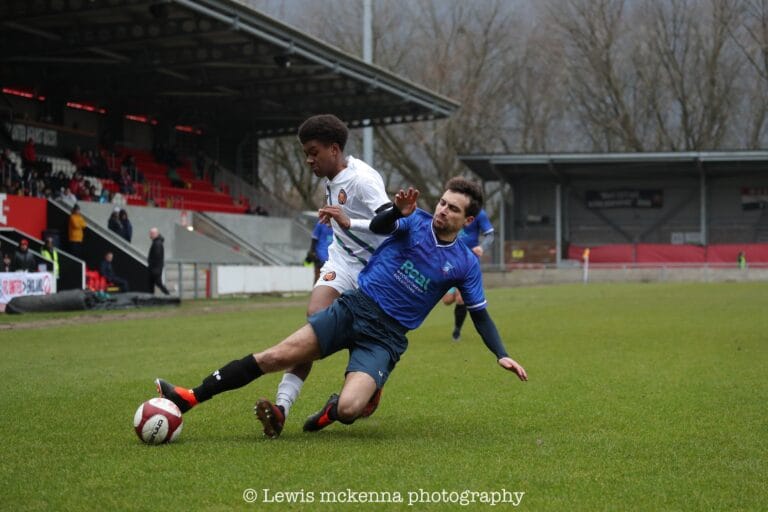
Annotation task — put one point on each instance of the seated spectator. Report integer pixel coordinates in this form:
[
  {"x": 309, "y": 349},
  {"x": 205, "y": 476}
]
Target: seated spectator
[
  {"x": 119, "y": 199},
  {"x": 108, "y": 272},
  {"x": 129, "y": 166},
  {"x": 114, "y": 224},
  {"x": 125, "y": 182},
  {"x": 7, "y": 265},
  {"x": 59, "y": 181},
  {"x": 127, "y": 226},
  {"x": 23, "y": 260},
  {"x": 77, "y": 185},
  {"x": 93, "y": 195},
  {"x": 68, "y": 198}
]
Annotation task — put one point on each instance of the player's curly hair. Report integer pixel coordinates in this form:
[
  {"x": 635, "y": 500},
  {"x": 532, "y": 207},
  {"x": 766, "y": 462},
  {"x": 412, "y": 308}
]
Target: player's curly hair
[
  {"x": 470, "y": 189},
  {"x": 325, "y": 128}
]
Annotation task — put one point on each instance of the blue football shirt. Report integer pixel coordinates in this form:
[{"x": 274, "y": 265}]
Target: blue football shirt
[
  {"x": 410, "y": 272},
  {"x": 470, "y": 235},
  {"x": 324, "y": 235}
]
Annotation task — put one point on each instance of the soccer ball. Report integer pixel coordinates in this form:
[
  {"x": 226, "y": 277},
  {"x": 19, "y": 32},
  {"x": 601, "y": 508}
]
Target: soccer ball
[{"x": 157, "y": 421}]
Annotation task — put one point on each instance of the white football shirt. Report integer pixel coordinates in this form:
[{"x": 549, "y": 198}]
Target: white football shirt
[{"x": 359, "y": 190}]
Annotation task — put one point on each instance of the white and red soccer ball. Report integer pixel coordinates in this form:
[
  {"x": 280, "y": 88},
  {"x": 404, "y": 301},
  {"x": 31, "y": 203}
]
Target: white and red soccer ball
[{"x": 157, "y": 421}]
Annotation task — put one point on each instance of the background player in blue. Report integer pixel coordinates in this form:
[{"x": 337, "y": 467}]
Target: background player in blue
[
  {"x": 403, "y": 281},
  {"x": 470, "y": 235},
  {"x": 322, "y": 236}
]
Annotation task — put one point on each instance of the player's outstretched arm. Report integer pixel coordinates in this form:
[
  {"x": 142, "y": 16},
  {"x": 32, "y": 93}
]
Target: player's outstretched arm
[{"x": 487, "y": 330}]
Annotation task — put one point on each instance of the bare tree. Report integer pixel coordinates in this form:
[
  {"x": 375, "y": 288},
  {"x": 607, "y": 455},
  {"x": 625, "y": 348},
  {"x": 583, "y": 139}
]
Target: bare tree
[
  {"x": 538, "y": 95},
  {"x": 751, "y": 36},
  {"x": 464, "y": 50},
  {"x": 595, "y": 38},
  {"x": 690, "y": 40},
  {"x": 561, "y": 75}
]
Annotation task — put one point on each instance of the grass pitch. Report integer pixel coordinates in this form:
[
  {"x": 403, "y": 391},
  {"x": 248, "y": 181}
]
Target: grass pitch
[{"x": 641, "y": 397}]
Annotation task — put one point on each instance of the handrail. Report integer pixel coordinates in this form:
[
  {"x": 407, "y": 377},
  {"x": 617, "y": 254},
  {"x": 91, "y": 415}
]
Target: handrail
[{"x": 255, "y": 252}]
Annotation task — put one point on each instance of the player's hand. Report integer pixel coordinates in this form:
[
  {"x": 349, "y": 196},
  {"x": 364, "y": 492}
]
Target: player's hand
[
  {"x": 510, "y": 364},
  {"x": 478, "y": 250},
  {"x": 336, "y": 213},
  {"x": 405, "y": 201},
  {"x": 311, "y": 257}
]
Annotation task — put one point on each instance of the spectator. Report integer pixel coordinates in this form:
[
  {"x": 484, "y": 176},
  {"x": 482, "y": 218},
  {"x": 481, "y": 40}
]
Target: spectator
[
  {"x": 77, "y": 185},
  {"x": 156, "y": 261},
  {"x": 59, "y": 181},
  {"x": 23, "y": 260},
  {"x": 118, "y": 199},
  {"x": 741, "y": 259},
  {"x": 93, "y": 195},
  {"x": 129, "y": 165},
  {"x": 106, "y": 270},
  {"x": 76, "y": 232},
  {"x": 174, "y": 178},
  {"x": 33, "y": 183},
  {"x": 7, "y": 265},
  {"x": 29, "y": 155},
  {"x": 200, "y": 165},
  {"x": 125, "y": 182},
  {"x": 50, "y": 253},
  {"x": 68, "y": 198},
  {"x": 8, "y": 171},
  {"x": 114, "y": 223},
  {"x": 127, "y": 226}
]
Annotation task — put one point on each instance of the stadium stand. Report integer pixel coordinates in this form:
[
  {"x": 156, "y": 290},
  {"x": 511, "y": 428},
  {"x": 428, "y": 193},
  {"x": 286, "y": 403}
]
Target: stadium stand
[{"x": 197, "y": 194}]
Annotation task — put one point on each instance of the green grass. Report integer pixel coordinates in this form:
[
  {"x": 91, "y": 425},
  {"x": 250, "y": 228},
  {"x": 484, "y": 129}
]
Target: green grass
[{"x": 641, "y": 397}]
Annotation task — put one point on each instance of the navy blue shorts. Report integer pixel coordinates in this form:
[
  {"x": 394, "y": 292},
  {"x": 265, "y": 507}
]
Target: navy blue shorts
[{"x": 374, "y": 339}]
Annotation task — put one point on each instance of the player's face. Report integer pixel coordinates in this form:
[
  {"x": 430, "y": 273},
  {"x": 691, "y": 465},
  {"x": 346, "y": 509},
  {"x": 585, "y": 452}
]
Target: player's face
[
  {"x": 323, "y": 160},
  {"x": 450, "y": 214}
]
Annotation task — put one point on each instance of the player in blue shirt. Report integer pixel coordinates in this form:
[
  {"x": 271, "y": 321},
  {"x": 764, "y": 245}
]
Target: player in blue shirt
[
  {"x": 322, "y": 236},
  {"x": 470, "y": 235},
  {"x": 403, "y": 281}
]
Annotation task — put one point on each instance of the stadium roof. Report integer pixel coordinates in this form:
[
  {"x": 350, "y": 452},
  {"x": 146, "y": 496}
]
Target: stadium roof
[
  {"x": 214, "y": 64},
  {"x": 506, "y": 167}
]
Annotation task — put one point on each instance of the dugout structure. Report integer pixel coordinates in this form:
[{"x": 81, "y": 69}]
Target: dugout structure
[{"x": 675, "y": 199}]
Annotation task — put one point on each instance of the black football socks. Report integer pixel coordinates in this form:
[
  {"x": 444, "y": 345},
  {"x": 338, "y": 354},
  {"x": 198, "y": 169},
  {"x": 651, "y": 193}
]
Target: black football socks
[
  {"x": 459, "y": 315},
  {"x": 233, "y": 375}
]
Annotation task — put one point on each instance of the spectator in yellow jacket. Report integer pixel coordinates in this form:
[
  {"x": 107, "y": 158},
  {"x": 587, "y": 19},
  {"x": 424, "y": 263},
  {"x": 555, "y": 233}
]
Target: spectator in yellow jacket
[{"x": 77, "y": 227}]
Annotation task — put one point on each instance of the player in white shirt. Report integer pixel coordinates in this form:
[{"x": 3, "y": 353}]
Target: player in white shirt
[{"x": 357, "y": 191}]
